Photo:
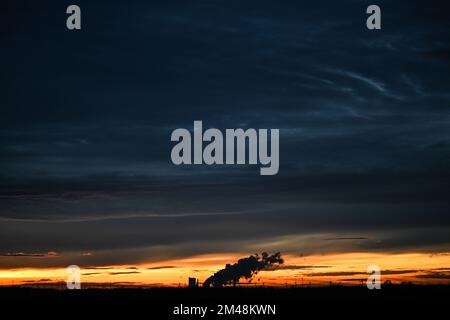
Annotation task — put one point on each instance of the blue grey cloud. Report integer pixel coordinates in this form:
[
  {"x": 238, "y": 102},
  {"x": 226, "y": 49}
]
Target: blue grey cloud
[{"x": 87, "y": 116}]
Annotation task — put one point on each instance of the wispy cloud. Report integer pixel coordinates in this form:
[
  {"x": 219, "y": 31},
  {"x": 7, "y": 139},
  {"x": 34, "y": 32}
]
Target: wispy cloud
[
  {"x": 161, "y": 267},
  {"x": 27, "y": 254},
  {"x": 123, "y": 272}
]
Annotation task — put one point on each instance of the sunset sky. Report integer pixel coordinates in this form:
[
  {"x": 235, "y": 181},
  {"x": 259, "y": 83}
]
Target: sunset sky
[
  {"x": 86, "y": 117},
  {"x": 345, "y": 269}
]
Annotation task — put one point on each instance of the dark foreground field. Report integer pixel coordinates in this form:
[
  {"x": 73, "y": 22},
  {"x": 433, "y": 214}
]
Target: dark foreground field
[{"x": 160, "y": 303}]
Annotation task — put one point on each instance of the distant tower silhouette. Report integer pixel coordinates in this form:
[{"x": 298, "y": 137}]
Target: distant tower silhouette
[{"x": 192, "y": 282}]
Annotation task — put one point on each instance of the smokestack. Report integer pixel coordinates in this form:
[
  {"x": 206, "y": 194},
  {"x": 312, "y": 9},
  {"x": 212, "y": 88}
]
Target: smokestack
[
  {"x": 244, "y": 268},
  {"x": 192, "y": 282}
]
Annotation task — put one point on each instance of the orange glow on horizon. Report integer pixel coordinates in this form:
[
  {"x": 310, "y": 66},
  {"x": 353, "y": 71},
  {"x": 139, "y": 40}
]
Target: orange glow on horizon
[{"x": 345, "y": 269}]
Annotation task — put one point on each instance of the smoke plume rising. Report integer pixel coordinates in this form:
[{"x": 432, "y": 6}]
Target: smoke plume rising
[{"x": 244, "y": 268}]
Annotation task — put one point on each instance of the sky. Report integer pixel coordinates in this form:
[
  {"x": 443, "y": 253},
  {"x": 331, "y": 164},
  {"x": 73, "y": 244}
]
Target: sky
[{"x": 86, "y": 117}]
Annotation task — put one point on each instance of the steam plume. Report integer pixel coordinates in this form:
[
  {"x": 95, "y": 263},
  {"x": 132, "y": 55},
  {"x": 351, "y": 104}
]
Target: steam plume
[{"x": 244, "y": 268}]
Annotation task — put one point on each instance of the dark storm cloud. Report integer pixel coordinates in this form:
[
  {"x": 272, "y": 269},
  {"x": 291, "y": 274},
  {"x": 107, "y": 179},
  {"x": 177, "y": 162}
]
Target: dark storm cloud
[{"x": 87, "y": 116}]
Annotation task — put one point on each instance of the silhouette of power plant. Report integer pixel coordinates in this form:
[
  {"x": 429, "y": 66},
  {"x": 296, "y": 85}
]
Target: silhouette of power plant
[
  {"x": 192, "y": 282},
  {"x": 244, "y": 268}
]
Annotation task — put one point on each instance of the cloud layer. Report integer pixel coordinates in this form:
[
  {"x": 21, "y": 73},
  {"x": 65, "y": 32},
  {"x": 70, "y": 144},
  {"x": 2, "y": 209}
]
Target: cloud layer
[{"x": 87, "y": 116}]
